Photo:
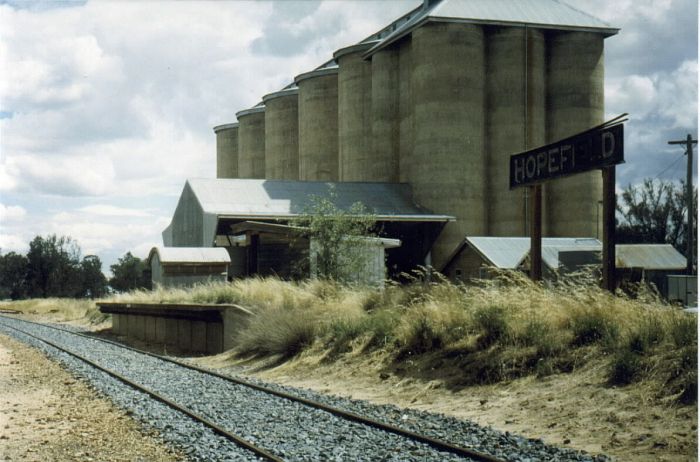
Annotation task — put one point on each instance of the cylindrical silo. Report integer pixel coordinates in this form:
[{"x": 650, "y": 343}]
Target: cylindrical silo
[
  {"x": 406, "y": 132},
  {"x": 515, "y": 119},
  {"x": 386, "y": 121},
  {"x": 318, "y": 124},
  {"x": 282, "y": 135},
  {"x": 226, "y": 150},
  {"x": 251, "y": 142},
  {"x": 355, "y": 159},
  {"x": 575, "y": 72},
  {"x": 448, "y": 171}
]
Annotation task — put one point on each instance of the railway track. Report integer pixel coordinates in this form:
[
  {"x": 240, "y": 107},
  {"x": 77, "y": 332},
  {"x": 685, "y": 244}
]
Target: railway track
[{"x": 389, "y": 441}]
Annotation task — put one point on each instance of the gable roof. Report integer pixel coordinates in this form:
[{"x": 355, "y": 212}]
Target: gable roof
[
  {"x": 272, "y": 199},
  {"x": 543, "y": 14},
  {"x": 649, "y": 257},
  {"x": 509, "y": 252}
]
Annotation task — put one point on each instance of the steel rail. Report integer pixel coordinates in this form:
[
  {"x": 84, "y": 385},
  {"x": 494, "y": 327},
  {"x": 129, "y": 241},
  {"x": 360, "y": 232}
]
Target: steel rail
[
  {"x": 203, "y": 420},
  {"x": 348, "y": 415}
]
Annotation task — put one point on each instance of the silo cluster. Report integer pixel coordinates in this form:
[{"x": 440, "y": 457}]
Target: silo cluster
[{"x": 442, "y": 107}]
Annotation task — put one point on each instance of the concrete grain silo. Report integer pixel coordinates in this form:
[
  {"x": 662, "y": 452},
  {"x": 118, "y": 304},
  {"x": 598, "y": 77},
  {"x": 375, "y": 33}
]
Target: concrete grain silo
[
  {"x": 448, "y": 164},
  {"x": 356, "y": 161},
  {"x": 405, "y": 111},
  {"x": 385, "y": 113},
  {"x": 282, "y": 134},
  {"x": 251, "y": 142},
  {"x": 318, "y": 124},
  {"x": 226, "y": 150},
  {"x": 515, "y": 119},
  {"x": 575, "y": 102}
]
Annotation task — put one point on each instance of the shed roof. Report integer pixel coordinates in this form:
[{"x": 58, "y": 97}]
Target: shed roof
[
  {"x": 649, "y": 256},
  {"x": 545, "y": 14},
  {"x": 509, "y": 252},
  {"x": 250, "y": 199},
  {"x": 202, "y": 255}
]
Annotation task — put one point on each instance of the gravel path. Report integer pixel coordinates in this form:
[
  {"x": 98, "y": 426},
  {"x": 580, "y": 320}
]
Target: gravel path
[{"x": 290, "y": 430}]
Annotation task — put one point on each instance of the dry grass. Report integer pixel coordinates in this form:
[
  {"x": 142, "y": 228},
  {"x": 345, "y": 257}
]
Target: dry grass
[
  {"x": 59, "y": 309},
  {"x": 496, "y": 330}
]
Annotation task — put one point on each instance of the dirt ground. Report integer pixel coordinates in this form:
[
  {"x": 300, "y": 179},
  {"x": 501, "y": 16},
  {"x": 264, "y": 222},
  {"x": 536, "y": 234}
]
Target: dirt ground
[
  {"x": 47, "y": 415},
  {"x": 577, "y": 410}
]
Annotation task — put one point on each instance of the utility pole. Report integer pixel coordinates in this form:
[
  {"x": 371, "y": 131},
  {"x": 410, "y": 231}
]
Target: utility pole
[{"x": 689, "y": 142}]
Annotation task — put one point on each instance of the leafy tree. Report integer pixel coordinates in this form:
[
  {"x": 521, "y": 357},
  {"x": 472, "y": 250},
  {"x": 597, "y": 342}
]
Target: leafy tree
[
  {"x": 336, "y": 235},
  {"x": 13, "y": 272},
  {"x": 94, "y": 282},
  {"x": 128, "y": 274},
  {"x": 53, "y": 267},
  {"x": 655, "y": 212}
]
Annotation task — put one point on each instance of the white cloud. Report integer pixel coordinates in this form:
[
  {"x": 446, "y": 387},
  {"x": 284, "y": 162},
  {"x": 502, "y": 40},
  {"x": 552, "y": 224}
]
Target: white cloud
[
  {"x": 11, "y": 213},
  {"x": 113, "y": 211}
]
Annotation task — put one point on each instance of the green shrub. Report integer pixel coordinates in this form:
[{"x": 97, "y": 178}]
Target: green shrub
[
  {"x": 627, "y": 367},
  {"x": 493, "y": 324},
  {"x": 593, "y": 326},
  {"x": 278, "y": 332},
  {"x": 684, "y": 330},
  {"x": 421, "y": 337},
  {"x": 648, "y": 334}
]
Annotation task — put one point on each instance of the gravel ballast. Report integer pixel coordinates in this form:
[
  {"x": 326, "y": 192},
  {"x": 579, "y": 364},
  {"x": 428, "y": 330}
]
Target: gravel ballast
[{"x": 288, "y": 429}]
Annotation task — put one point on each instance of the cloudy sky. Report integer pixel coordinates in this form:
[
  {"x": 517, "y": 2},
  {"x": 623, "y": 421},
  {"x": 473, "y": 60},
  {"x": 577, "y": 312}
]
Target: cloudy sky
[{"x": 107, "y": 107}]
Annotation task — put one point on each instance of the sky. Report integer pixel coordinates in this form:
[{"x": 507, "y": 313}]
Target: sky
[{"x": 106, "y": 108}]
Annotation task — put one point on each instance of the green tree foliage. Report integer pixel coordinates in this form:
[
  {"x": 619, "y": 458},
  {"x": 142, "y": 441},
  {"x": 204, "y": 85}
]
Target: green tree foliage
[
  {"x": 128, "y": 274},
  {"x": 13, "y": 272},
  {"x": 336, "y": 234},
  {"x": 53, "y": 267},
  {"x": 655, "y": 212},
  {"x": 94, "y": 281}
]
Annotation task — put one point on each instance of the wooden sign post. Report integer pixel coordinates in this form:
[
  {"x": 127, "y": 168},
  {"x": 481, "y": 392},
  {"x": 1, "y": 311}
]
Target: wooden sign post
[{"x": 600, "y": 147}]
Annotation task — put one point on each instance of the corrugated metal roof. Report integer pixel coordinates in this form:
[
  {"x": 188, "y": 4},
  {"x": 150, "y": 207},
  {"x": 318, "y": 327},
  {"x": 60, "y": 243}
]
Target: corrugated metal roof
[
  {"x": 509, "y": 252},
  {"x": 281, "y": 198},
  {"x": 190, "y": 254},
  {"x": 550, "y": 254},
  {"x": 649, "y": 256},
  {"x": 545, "y": 14}
]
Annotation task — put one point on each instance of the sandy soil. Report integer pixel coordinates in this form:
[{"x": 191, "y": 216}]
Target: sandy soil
[
  {"x": 47, "y": 415},
  {"x": 577, "y": 410}
]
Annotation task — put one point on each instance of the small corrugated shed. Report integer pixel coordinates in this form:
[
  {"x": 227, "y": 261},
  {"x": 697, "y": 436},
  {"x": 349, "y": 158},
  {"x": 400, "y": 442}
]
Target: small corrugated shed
[
  {"x": 186, "y": 266},
  {"x": 656, "y": 257},
  {"x": 509, "y": 252}
]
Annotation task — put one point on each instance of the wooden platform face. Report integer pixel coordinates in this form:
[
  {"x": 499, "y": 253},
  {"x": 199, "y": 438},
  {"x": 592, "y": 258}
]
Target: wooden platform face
[{"x": 204, "y": 329}]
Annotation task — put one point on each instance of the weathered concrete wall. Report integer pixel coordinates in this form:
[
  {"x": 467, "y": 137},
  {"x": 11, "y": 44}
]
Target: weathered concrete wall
[
  {"x": 356, "y": 160},
  {"x": 251, "y": 143},
  {"x": 448, "y": 174},
  {"x": 282, "y": 135},
  {"x": 515, "y": 111},
  {"x": 318, "y": 125},
  {"x": 189, "y": 328},
  {"x": 227, "y": 150},
  {"x": 386, "y": 120}
]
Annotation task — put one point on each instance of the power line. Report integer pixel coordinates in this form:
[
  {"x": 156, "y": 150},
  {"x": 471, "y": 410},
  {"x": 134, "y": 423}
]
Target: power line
[{"x": 669, "y": 167}]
